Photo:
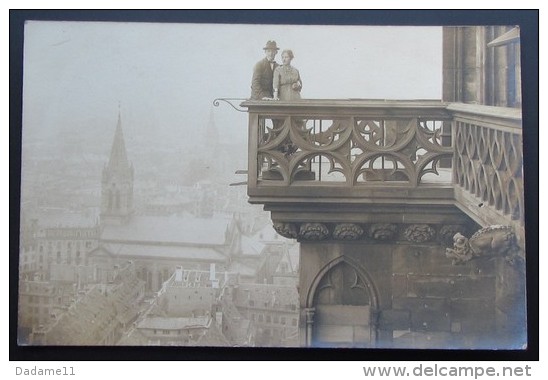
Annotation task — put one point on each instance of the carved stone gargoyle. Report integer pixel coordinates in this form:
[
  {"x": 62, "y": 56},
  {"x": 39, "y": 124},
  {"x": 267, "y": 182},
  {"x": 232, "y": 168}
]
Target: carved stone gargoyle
[{"x": 490, "y": 241}]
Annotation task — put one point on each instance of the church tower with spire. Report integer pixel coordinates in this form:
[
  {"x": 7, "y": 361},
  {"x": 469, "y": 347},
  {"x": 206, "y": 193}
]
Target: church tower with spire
[{"x": 117, "y": 182}]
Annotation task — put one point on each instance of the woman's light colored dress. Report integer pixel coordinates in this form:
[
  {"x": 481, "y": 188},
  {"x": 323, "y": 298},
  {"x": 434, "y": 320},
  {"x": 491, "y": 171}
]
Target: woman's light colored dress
[{"x": 284, "y": 78}]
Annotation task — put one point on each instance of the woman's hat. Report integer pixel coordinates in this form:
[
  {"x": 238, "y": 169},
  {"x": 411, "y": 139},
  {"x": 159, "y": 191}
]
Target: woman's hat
[{"x": 271, "y": 45}]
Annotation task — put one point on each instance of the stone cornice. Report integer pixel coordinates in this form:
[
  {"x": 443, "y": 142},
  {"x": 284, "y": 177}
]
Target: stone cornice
[
  {"x": 339, "y": 213},
  {"x": 371, "y": 232}
]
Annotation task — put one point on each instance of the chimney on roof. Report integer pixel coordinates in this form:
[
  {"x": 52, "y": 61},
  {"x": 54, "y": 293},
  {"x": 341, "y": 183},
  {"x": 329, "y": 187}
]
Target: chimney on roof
[
  {"x": 212, "y": 274},
  {"x": 219, "y": 319},
  {"x": 179, "y": 274}
]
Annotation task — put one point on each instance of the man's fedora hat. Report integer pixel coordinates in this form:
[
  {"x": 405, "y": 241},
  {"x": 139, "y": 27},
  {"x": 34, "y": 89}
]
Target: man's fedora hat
[{"x": 271, "y": 45}]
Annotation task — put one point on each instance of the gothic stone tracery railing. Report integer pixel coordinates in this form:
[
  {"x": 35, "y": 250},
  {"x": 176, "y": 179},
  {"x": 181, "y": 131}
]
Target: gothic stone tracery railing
[
  {"x": 349, "y": 144},
  {"x": 406, "y": 150}
]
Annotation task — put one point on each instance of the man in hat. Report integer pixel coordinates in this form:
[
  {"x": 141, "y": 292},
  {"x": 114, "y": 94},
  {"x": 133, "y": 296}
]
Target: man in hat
[{"x": 263, "y": 72}]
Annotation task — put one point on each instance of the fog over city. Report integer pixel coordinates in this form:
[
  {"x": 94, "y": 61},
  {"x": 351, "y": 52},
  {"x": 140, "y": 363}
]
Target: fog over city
[
  {"x": 126, "y": 208},
  {"x": 164, "y": 77}
]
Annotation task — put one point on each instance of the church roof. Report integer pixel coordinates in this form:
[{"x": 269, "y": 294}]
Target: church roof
[
  {"x": 254, "y": 244},
  {"x": 61, "y": 218},
  {"x": 242, "y": 269},
  {"x": 185, "y": 230},
  {"x": 162, "y": 251},
  {"x": 251, "y": 246}
]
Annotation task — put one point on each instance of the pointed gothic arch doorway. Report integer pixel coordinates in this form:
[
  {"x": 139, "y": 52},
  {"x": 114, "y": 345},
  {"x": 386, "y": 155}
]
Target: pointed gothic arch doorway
[{"x": 341, "y": 306}]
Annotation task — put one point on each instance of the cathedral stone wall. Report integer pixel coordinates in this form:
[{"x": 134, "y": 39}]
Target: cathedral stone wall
[{"x": 417, "y": 297}]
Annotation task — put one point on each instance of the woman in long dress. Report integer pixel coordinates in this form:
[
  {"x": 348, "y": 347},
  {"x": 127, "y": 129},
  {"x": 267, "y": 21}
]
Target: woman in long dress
[{"x": 287, "y": 80}]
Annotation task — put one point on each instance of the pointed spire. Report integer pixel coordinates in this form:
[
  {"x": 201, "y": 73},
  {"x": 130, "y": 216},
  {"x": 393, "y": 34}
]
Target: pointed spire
[{"x": 118, "y": 154}]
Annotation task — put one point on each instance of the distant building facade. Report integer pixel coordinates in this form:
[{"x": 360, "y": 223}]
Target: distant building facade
[
  {"x": 53, "y": 266},
  {"x": 273, "y": 309},
  {"x": 184, "y": 311}
]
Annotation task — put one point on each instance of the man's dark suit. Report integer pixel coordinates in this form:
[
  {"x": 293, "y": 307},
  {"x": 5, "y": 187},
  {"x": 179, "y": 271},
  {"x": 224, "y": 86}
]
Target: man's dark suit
[{"x": 261, "y": 83}]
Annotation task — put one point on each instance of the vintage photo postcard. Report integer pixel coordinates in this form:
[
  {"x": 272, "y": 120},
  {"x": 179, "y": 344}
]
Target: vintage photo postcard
[{"x": 239, "y": 185}]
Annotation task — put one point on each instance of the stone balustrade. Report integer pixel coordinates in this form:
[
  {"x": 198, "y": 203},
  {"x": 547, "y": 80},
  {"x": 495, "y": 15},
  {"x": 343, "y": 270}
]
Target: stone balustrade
[
  {"x": 407, "y": 153},
  {"x": 488, "y": 162}
]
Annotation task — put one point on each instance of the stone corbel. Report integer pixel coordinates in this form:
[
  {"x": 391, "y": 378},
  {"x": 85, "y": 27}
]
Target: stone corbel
[
  {"x": 382, "y": 231},
  {"x": 313, "y": 231},
  {"x": 347, "y": 231},
  {"x": 287, "y": 230},
  {"x": 372, "y": 233},
  {"x": 488, "y": 242},
  {"x": 419, "y": 233}
]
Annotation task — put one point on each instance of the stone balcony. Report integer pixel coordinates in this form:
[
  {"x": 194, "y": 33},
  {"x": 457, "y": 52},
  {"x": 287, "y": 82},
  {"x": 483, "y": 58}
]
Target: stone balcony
[
  {"x": 375, "y": 192},
  {"x": 384, "y": 161}
]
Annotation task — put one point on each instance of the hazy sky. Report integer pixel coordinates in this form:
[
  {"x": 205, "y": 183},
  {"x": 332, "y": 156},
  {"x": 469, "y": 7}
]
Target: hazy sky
[{"x": 165, "y": 76}]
